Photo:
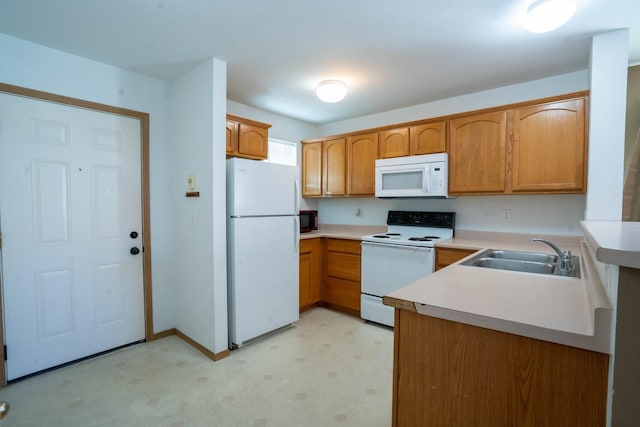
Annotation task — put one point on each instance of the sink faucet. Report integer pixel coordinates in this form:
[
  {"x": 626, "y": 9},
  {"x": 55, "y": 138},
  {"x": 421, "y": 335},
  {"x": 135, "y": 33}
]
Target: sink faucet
[{"x": 566, "y": 260}]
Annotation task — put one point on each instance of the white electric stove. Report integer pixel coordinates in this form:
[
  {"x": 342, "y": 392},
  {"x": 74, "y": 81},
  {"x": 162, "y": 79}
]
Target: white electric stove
[{"x": 402, "y": 255}]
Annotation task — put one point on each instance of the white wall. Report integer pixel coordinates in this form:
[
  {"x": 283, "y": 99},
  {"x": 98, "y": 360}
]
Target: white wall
[
  {"x": 608, "y": 75},
  {"x": 37, "y": 67},
  {"x": 193, "y": 122},
  {"x": 549, "y": 214},
  {"x": 609, "y": 59}
]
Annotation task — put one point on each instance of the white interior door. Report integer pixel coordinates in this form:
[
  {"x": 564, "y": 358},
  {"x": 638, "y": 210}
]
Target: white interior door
[{"x": 70, "y": 199}]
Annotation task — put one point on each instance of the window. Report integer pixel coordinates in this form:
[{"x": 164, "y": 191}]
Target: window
[{"x": 283, "y": 152}]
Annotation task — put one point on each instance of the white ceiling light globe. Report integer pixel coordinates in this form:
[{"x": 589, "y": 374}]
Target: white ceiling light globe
[
  {"x": 331, "y": 90},
  {"x": 547, "y": 15}
]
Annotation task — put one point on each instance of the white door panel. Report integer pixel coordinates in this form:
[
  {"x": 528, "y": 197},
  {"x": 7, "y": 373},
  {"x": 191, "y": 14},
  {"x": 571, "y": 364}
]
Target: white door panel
[{"x": 70, "y": 194}]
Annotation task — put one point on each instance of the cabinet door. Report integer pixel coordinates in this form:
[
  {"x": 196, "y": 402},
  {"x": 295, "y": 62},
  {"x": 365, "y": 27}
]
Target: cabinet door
[
  {"x": 253, "y": 141},
  {"x": 333, "y": 167},
  {"x": 312, "y": 169},
  {"x": 477, "y": 154},
  {"x": 394, "y": 143},
  {"x": 232, "y": 137},
  {"x": 549, "y": 147},
  {"x": 428, "y": 138},
  {"x": 362, "y": 151},
  {"x": 304, "y": 282},
  {"x": 310, "y": 271}
]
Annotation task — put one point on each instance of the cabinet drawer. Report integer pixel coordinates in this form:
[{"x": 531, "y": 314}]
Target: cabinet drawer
[
  {"x": 343, "y": 245},
  {"x": 344, "y": 293},
  {"x": 308, "y": 245},
  {"x": 446, "y": 256},
  {"x": 343, "y": 266}
]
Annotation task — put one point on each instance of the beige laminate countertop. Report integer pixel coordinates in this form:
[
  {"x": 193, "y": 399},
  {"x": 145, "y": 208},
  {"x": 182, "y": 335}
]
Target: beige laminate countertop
[
  {"x": 614, "y": 242},
  {"x": 564, "y": 310},
  {"x": 350, "y": 232}
]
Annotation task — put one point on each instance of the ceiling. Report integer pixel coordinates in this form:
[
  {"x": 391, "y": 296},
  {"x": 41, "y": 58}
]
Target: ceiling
[{"x": 391, "y": 54}]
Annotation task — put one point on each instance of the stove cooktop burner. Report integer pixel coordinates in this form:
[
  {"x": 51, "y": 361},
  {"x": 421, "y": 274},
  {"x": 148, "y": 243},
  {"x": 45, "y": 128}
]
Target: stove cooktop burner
[
  {"x": 386, "y": 235},
  {"x": 421, "y": 239}
]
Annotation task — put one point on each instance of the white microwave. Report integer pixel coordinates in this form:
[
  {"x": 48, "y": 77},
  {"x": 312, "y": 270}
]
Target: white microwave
[{"x": 413, "y": 176}]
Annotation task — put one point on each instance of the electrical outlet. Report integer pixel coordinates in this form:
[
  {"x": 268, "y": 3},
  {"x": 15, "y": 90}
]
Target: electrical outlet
[{"x": 506, "y": 215}]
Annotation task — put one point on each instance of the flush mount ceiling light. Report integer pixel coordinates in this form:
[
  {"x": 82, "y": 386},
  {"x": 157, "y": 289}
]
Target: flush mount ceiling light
[
  {"x": 547, "y": 15},
  {"x": 331, "y": 90}
]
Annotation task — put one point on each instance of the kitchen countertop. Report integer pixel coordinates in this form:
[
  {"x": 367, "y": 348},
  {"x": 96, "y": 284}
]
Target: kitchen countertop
[
  {"x": 350, "y": 232},
  {"x": 614, "y": 242},
  {"x": 564, "y": 310}
]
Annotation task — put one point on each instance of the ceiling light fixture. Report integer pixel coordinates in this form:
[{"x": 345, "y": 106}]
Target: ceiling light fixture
[
  {"x": 331, "y": 90},
  {"x": 547, "y": 15}
]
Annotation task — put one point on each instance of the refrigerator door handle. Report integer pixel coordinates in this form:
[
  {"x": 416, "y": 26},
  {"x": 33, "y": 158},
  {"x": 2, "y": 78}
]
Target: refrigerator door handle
[
  {"x": 296, "y": 235},
  {"x": 296, "y": 195}
]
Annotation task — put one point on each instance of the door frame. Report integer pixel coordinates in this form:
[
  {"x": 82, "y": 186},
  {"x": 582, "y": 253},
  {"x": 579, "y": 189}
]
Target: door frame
[{"x": 146, "y": 203}]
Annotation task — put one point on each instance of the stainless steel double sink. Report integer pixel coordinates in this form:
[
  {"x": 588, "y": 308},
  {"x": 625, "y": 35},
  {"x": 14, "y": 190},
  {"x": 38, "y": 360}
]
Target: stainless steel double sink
[{"x": 527, "y": 262}]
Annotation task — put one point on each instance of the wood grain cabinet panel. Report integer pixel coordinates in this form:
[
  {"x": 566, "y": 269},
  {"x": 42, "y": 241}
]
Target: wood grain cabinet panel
[
  {"x": 232, "y": 137},
  {"x": 549, "y": 147},
  {"x": 428, "y": 138},
  {"x": 362, "y": 152},
  {"x": 477, "y": 153},
  {"x": 247, "y": 138},
  {"x": 341, "y": 287},
  {"x": 394, "y": 143},
  {"x": 451, "y": 374},
  {"x": 447, "y": 256},
  {"x": 253, "y": 141},
  {"x": 310, "y": 272},
  {"x": 312, "y": 169},
  {"x": 334, "y": 181}
]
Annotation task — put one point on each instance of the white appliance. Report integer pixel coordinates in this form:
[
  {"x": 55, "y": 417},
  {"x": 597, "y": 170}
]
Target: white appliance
[
  {"x": 402, "y": 255},
  {"x": 262, "y": 242},
  {"x": 413, "y": 176}
]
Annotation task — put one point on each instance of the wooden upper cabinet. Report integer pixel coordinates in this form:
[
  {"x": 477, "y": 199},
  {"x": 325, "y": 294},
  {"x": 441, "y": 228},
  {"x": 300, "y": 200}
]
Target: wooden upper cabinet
[
  {"x": 477, "y": 152},
  {"x": 549, "y": 147},
  {"x": 312, "y": 169},
  {"x": 333, "y": 167},
  {"x": 232, "y": 136},
  {"x": 362, "y": 151},
  {"x": 253, "y": 141},
  {"x": 247, "y": 138},
  {"x": 394, "y": 143},
  {"x": 428, "y": 138}
]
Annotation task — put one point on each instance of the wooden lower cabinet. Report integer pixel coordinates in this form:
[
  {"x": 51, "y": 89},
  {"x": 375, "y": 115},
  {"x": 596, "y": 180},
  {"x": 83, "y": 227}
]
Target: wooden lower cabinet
[
  {"x": 447, "y": 256},
  {"x": 310, "y": 272},
  {"x": 341, "y": 287},
  {"x": 451, "y": 374}
]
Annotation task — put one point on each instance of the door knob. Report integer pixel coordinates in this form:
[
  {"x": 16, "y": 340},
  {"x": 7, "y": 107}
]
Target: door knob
[
  {"x": 134, "y": 251},
  {"x": 133, "y": 234}
]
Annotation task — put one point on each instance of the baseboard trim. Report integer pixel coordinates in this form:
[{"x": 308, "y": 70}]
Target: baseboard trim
[
  {"x": 162, "y": 334},
  {"x": 210, "y": 354}
]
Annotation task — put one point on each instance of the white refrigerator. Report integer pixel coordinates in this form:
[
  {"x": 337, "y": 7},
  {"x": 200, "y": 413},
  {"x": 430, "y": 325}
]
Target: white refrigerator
[{"x": 263, "y": 235}]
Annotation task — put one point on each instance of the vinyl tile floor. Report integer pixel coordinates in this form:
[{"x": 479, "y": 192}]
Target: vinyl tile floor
[{"x": 329, "y": 369}]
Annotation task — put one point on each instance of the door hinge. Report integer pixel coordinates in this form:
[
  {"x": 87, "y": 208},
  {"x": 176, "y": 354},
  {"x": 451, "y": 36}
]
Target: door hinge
[
  {"x": 0, "y": 239},
  {"x": 5, "y": 352}
]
